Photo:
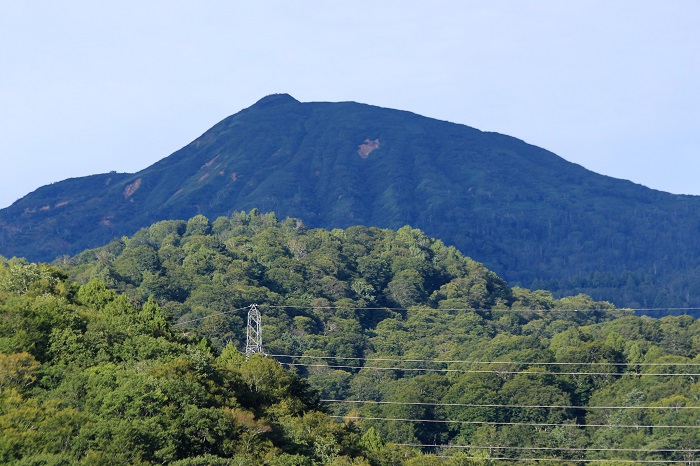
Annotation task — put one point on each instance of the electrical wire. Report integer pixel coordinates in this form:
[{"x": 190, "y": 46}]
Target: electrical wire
[
  {"x": 530, "y": 424},
  {"x": 474, "y": 405},
  {"x": 211, "y": 315},
  {"x": 460, "y": 309},
  {"x": 425, "y": 308},
  {"x": 398, "y": 309},
  {"x": 456, "y": 361},
  {"x": 577, "y": 460},
  {"x": 484, "y": 371},
  {"x": 490, "y": 447}
]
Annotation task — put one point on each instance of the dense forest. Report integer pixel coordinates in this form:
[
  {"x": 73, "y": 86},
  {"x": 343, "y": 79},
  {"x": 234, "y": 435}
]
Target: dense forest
[
  {"x": 87, "y": 378},
  {"x": 382, "y": 347}
]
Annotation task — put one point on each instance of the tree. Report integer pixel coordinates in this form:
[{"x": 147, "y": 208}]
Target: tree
[
  {"x": 18, "y": 370},
  {"x": 406, "y": 289},
  {"x": 21, "y": 277},
  {"x": 198, "y": 225}
]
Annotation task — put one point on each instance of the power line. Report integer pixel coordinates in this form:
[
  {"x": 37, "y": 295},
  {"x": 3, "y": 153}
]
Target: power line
[
  {"x": 577, "y": 460},
  {"x": 530, "y": 424},
  {"x": 459, "y": 309},
  {"x": 474, "y": 405},
  {"x": 462, "y": 309},
  {"x": 490, "y": 447},
  {"x": 210, "y": 316},
  {"x": 485, "y": 371},
  {"x": 399, "y": 309},
  {"x": 456, "y": 361}
]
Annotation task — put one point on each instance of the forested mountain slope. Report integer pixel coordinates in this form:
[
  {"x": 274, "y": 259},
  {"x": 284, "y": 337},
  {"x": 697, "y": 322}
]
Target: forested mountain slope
[
  {"x": 405, "y": 340},
  {"x": 529, "y": 215},
  {"x": 87, "y": 378}
]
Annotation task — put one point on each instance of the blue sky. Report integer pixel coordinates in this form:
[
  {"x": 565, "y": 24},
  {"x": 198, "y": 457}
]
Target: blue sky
[{"x": 88, "y": 87}]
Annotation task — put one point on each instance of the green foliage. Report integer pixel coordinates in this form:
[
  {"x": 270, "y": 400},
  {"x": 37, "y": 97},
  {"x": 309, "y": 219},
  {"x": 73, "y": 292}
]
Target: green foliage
[
  {"x": 148, "y": 369},
  {"x": 93, "y": 379},
  {"x": 21, "y": 277}
]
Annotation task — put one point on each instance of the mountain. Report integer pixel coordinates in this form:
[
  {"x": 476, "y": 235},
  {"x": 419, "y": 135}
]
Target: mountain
[{"x": 528, "y": 214}]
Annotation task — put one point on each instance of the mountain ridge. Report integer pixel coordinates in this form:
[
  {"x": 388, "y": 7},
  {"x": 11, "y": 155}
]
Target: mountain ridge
[{"x": 525, "y": 212}]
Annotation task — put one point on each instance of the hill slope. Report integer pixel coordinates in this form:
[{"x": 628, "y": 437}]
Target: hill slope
[
  {"x": 528, "y": 214},
  {"x": 387, "y": 326}
]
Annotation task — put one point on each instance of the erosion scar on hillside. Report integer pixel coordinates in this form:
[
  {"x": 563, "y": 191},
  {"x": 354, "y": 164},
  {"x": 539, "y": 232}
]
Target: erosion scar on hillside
[{"x": 367, "y": 147}]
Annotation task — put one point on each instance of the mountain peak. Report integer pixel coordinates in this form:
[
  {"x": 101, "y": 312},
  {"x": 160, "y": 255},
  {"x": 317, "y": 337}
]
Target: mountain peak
[
  {"x": 273, "y": 100},
  {"x": 515, "y": 207}
]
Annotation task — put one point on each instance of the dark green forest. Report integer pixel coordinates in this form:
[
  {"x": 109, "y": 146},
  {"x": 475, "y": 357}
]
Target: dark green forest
[
  {"x": 382, "y": 347},
  {"x": 529, "y": 215},
  {"x": 87, "y": 378}
]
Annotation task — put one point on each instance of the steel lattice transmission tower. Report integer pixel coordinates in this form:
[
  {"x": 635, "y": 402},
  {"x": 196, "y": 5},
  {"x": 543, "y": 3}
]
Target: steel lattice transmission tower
[{"x": 254, "y": 334}]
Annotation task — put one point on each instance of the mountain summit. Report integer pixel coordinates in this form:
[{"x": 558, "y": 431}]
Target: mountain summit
[
  {"x": 528, "y": 214},
  {"x": 275, "y": 99}
]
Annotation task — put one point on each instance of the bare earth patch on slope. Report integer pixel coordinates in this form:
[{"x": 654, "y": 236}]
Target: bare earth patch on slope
[{"x": 367, "y": 147}]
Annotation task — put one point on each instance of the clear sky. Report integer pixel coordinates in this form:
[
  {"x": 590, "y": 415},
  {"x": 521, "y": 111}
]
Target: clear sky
[{"x": 88, "y": 87}]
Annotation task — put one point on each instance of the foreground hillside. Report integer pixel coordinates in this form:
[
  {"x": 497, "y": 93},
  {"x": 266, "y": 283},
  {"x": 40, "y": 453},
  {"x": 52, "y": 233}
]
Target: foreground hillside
[
  {"x": 418, "y": 345},
  {"x": 529, "y": 215},
  {"x": 87, "y": 378}
]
